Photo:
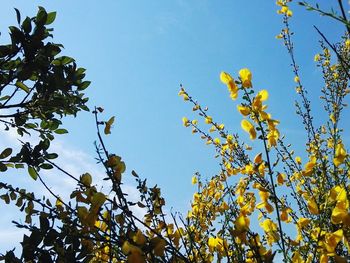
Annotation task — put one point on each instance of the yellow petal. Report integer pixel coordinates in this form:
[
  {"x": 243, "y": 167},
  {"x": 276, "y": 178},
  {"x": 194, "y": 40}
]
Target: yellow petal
[
  {"x": 280, "y": 178},
  {"x": 312, "y": 206},
  {"x": 246, "y": 77},
  {"x": 108, "y": 126},
  {"x": 225, "y": 78},
  {"x": 194, "y": 179},
  {"x": 264, "y": 95},
  {"x": 185, "y": 122},
  {"x": 248, "y": 127},
  {"x": 258, "y": 158},
  {"x": 208, "y": 120},
  {"x": 298, "y": 160},
  {"x": 243, "y": 110},
  {"x": 242, "y": 223}
]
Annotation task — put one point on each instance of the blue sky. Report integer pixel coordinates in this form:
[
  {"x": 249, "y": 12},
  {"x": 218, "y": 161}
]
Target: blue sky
[{"x": 138, "y": 52}]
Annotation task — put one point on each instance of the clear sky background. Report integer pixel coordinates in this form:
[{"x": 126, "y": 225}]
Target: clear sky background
[{"x": 137, "y": 53}]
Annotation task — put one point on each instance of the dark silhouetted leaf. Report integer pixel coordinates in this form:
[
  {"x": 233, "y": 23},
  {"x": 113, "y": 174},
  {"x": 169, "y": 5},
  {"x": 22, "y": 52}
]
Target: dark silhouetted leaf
[
  {"x": 3, "y": 167},
  {"x": 5, "y": 153},
  {"x": 46, "y": 166},
  {"x": 27, "y": 25},
  {"x": 18, "y": 15}
]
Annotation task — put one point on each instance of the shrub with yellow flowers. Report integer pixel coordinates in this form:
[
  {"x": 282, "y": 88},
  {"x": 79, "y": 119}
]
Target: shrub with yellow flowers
[{"x": 246, "y": 193}]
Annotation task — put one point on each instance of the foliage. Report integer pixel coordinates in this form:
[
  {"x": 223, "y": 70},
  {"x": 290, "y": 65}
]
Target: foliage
[
  {"x": 260, "y": 205},
  {"x": 37, "y": 88}
]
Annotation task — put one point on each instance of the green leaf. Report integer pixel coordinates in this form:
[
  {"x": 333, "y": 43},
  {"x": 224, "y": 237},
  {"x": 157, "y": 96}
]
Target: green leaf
[
  {"x": 53, "y": 125},
  {"x": 50, "y": 18},
  {"x": 66, "y": 60},
  {"x": 5, "y": 97},
  {"x": 6, "y": 153},
  {"x": 41, "y": 17},
  {"x": 30, "y": 125},
  {"x": 56, "y": 62},
  {"x": 84, "y": 85},
  {"x": 19, "y": 165},
  {"x": 61, "y": 131},
  {"x": 32, "y": 172},
  {"x": 22, "y": 86}
]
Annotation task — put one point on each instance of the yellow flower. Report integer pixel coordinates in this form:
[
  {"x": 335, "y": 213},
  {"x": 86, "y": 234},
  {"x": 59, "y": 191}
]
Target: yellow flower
[
  {"x": 272, "y": 137},
  {"x": 231, "y": 85},
  {"x": 280, "y": 178},
  {"x": 303, "y": 222},
  {"x": 309, "y": 167},
  {"x": 185, "y": 122},
  {"x": 312, "y": 206},
  {"x": 332, "y": 240},
  {"x": 340, "y": 154},
  {"x": 296, "y": 258},
  {"x": 226, "y": 78},
  {"x": 139, "y": 238},
  {"x": 284, "y": 9},
  {"x": 242, "y": 223},
  {"x": 340, "y": 212},
  {"x": 181, "y": 92},
  {"x": 229, "y": 138},
  {"x": 244, "y": 110},
  {"x": 132, "y": 251},
  {"x": 217, "y": 141},
  {"x": 159, "y": 246},
  {"x": 332, "y": 118},
  {"x": 194, "y": 179},
  {"x": 270, "y": 229},
  {"x": 347, "y": 43},
  {"x": 296, "y": 79},
  {"x": 258, "y": 158},
  {"x": 208, "y": 120},
  {"x": 246, "y": 77},
  {"x": 337, "y": 193},
  {"x": 285, "y": 215},
  {"x": 248, "y": 127},
  {"x": 215, "y": 243},
  {"x": 263, "y": 94},
  {"x": 317, "y": 57}
]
